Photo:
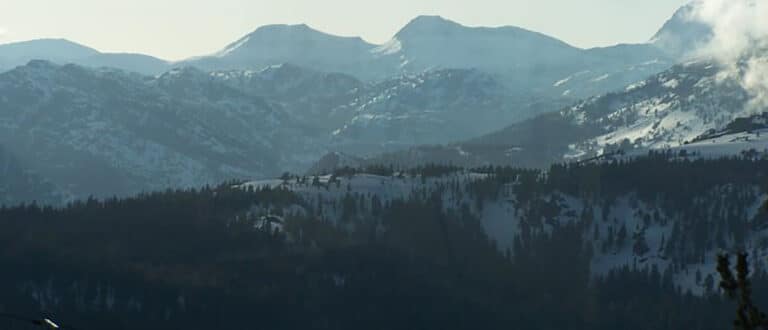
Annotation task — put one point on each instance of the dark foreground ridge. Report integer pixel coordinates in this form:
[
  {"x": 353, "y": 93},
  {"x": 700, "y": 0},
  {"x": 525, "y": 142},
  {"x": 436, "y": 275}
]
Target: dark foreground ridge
[{"x": 267, "y": 257}]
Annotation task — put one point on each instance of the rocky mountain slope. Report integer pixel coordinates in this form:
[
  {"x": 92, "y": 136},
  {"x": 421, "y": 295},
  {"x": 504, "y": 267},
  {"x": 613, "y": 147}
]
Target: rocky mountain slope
[
  {"x": 437, "y": 106},
  {"x": 322, "y": 100},
  {"x": 106, "y": 132},
  {"x": 668, "y": 110}
]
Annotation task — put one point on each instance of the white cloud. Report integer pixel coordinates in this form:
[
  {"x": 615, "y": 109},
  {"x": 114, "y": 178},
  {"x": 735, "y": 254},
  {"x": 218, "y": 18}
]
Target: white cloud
[{"x": 739, "y": 41}]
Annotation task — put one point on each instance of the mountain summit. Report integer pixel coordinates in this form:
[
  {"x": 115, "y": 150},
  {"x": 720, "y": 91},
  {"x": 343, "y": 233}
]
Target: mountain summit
[
  {"x": 19, "y": 53},
  {"x": 427, "y": 24},
  {"x": 286, "y": 37},
  {"x": 682, "y": 33},
  {"x": 432, "y": 41},
  {"x": 297, "y": 44}
]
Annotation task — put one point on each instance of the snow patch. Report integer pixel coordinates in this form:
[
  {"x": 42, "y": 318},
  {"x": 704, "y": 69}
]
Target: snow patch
[
  {"x": 233, "y": 47},
  {"x": 391, "y": 47},
  {"x": 562, "y": 81},
  {"x": 601, "y": 78}
]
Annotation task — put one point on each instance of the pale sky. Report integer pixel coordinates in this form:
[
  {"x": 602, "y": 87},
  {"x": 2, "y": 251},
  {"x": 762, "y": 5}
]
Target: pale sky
[{"x": 177, "y": 29}]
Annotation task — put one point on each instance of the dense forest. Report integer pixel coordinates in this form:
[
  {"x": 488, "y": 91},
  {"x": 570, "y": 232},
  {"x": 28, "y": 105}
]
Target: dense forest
[{"x": 279, "y": 257}]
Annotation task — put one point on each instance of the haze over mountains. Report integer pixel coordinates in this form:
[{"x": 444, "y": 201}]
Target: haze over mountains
[
  {"x": 667, "y": 110},
  {"x": 427, "y": 42},
  {"x": 65, "y": 51},
  {"x": 528, "y": 63},
  {"x": 283, "y": 96}
]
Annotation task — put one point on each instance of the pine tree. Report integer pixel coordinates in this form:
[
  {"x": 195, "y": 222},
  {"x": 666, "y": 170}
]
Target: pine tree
[
  {"x": 709, "y": 283},
  {"x": 640, "y": 247},
  {"x": 621, "y": 236},
  {"x": 739, "y": 288}
]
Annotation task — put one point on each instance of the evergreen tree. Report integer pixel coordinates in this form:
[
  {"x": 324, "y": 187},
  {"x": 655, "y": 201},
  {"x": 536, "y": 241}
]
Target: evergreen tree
[
  {"x": 739, "y": 287},
  {"x": 621, "y": 236},
  {"x": 640, "y": 246}
]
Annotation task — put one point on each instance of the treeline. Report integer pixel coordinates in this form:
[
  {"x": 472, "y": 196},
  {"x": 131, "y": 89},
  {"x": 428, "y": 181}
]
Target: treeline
[{"x": 427, "y": 170}]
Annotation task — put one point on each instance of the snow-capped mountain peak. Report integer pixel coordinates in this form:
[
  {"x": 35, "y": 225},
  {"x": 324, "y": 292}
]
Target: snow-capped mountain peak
[
  {"x": 297, "y": 44},
  {"x": 286, "y": 35}
]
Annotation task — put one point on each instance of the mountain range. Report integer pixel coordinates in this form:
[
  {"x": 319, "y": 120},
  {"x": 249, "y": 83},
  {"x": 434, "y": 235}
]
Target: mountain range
[
  {"x": 529, "y": 64},
  {"x": 92, "y": 123},
  {"x": 671, "y": 109},
  {"x": 105, "y": 132},
  {"x": 425, "y": 43}
]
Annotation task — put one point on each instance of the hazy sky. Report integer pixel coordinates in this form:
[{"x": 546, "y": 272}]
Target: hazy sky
[{"x": 176, "y": 29}]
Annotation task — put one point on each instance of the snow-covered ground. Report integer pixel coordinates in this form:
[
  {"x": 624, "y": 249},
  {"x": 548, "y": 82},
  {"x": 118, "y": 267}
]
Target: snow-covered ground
[
  {"x": 502, "y": 217},
  {"x": 753, "y": 143},
  {"x": 730, "y": 144},
  {"x": 664, "y": 111}
]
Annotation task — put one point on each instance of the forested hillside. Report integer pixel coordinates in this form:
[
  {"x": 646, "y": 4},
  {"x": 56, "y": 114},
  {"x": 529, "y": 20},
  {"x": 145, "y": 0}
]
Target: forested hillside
[{"x": 608, "y": 245}]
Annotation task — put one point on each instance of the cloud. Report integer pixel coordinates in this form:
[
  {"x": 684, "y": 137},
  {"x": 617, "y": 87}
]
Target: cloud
[
  {"x": 739, "y": 41},
  {"x": 3, "y": 32}
]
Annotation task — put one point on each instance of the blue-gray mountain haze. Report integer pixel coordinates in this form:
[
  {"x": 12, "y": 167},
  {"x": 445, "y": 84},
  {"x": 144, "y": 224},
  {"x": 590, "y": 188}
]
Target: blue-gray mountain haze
[{"x": 83, "y": 122}]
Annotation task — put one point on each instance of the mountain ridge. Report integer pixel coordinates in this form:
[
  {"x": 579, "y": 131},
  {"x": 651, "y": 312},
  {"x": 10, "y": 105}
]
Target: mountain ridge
[
  {"x": 666, "y": 111},
  {"x": 64, "y": 51}
]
